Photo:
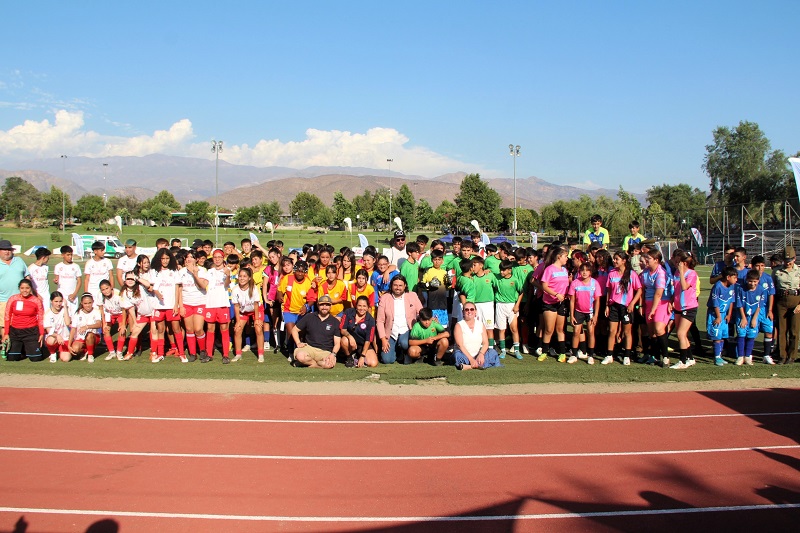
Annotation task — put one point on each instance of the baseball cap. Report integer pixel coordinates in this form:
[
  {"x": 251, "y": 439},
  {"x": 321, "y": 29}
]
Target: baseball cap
[
  {"x": 324, "y": 299},
  {"x": 399, "y": 233},
  {"x": 197, "y": 243},
  {"x": 130, "y": 242},
  {"x": 788, "y": 252}
]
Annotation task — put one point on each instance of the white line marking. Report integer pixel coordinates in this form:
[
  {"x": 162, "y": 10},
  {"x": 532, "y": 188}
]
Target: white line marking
[
  {"x": 394, "y": 422},
  {"x": 458, "y": 518},
  {"x": 392, "y": 457}
]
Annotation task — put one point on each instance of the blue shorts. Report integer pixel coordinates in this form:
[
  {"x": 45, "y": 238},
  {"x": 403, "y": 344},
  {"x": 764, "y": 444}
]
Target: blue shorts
[
  {"x": 490, "y": 359},
  {"x": 748, "y": 332},
  {"x": 765, "y": 325},
  {"x": 290, "y": 318},
  {"x": 716, "y": 333}
]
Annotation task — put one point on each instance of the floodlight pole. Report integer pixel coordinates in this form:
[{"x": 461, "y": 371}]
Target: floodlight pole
[
  {"x": 514, "y": 152},
  {"x": 216, "y": 147},
  {"x": 63, "y": 201},
  {"x": 390, "y": 193}
]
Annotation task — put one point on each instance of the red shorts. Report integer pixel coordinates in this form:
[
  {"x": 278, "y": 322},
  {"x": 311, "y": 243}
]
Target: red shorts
[
  {"x": 113, "y": 319},
  {"x": 258, "y": 314},
  {"x": 220, "y": 315},
  {"x": 63, "y": 347},
  {"x": 141, "y": 319},
  {"x": 160, "y": 315},
  {"x": 192, "y": 310}
]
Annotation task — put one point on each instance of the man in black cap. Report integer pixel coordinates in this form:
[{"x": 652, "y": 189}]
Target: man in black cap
[
  {"x": 321, "y": 337},
  {"x": 12, "y": 270},
  {"x": 397, "y": 253}
]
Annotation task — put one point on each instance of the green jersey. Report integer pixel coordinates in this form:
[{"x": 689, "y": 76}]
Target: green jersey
[
  {"x": 419, "y": 333},
  {"x": 465, "y": 286},
  {"x": 507, "y": 290},
  {"x": 484, "y": 287},
  {"x": 492, "y": 263},
  {"x": 410, "y": 271}
]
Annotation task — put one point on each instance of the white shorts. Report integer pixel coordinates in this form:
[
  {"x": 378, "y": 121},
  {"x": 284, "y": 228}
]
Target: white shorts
[
  {"x": 504, "y": 314},
  {"x": 486, "y": 314}
]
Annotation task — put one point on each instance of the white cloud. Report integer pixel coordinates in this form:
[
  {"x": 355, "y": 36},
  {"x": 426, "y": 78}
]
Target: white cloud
[{"x": 66, "y": 134}]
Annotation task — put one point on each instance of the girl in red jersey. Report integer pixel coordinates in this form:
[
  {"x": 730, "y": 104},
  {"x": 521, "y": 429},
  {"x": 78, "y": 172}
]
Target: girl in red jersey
[{"x": 24, "y": 324}]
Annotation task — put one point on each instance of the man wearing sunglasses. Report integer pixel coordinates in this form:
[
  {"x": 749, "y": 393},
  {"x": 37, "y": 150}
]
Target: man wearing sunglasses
[
  {"x": 397, "y": 252},
  {"x": 321, "y": 337}
]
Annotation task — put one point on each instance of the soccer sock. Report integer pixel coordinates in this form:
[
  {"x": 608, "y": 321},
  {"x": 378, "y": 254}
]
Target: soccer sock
[
  {"x": 767, "y": 346},
  {"x": 201, "y": 342},
  {"x": 562, "y": 347},
  {"x": 109, "y": 342},
  {"x": 545, "y": 348},
  {"x": 582, "y": 345},
  {"x": 718, "y": 348},
  {"x": 502, "y": 344},
  {"x": 161, "y": 343},
  {"x": 740, "y": 343},
  {"x": 89, "y": 349},
  {"x": 686, "y": 354},
  {"x": 51, "y": 349},
  {"x": 748, "y": 347},
  {"x": 663, "y": 344},
  {"x": 132, "y": 344},
  {"x": 179, "y": 344},
  {"x": 266, "y": 337},
  {"x": 491, "y": 343},
  {"x": 191, "y": 341},
  {"x": 120, "y": 342},
  {"x": 209, "y": 342},
  {"x": 226, "y": 343}
]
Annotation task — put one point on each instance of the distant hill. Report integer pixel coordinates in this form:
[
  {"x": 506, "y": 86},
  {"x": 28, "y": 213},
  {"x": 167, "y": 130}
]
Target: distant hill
[{"x": 241, "y": 185}]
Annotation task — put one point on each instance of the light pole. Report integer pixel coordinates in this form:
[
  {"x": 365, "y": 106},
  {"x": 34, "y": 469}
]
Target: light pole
[
  {"x": 63, "y": 201},
  {"x": 390, "y": 193},
  {"x": 514, "y": 152},
  {"x": 216, "y": 147}
]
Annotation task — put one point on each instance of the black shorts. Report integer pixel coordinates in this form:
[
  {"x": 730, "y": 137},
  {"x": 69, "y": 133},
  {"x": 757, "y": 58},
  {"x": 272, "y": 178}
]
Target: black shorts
[
  {"x": 689, "y": 314},
  {"x": 561, "y": 308},
  {"x": 534, "y": 310},
  {"x": 582, "y": 318},
  {"x": 619, "y": 313},
  {"x": 638, "y": 317},
  {"x": 25, "y": 340}
]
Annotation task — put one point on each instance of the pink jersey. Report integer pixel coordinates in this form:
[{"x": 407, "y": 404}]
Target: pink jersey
[
  {"x": 685, "y": 299},
  {"x": 538, "y": 272},
  {"x": 557, "y": 279},
  {"x": 583, "y": 294},
  {"x": 602, "y": 280},
  {"x": 614, "y": 289}
]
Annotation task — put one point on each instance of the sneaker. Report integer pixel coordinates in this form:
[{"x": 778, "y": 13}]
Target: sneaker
[
  {"x": 54, "y": 359},
  {"x": 538, "y": 351},
  {"x": 226, "y": 360},
  {"x": 541, "y": 357},
  {"x": 665, "y": 362},
  {"x": 518, "y": 355},
  {"x": 626, "y": 361},
  {"x": 156, "y": 358},
  {"x": 767, "y": 360},
  {"x": 562, "y": 358},
  {"x": 649, "y": 360},
  {"x": 184, "y": 359},
  {"x": 246, "y": 348},
  {"x": 349, "y": 362},
  {"x": 739, "y": 361},
  {"x": 524, "y": 349},
  {"x": 510, "y": 350},
  {"x": 719, "y": 361},
  {"x": 261, "y": 358},
  {"x": 690, "y": 362},
  {"x": 749, "y": 360},
  {"x": 171, "y": 352},
  {"x": 670, "y": 350},
  {"x": 438, "y": 362},
  {"x": 553, "y": 352},
  {"x": 590, "y": 361},
  {"x": 680, "y": 365},
  {"x": 572, "y": 360},
  {"x": 501, "y": 354},
  {"x": 119, "y": 356},
  {"x": 607, "y": 360},
  {"x": 276, "y": 349},
  {"x": 582, "y": 356},
  {"x": 237, "y": 357},
  {"x": 127, "y": 357},
  {"x": 90, "y": 358},
  {"x": 111, "y": 355},
  {"x": 192, "y": 357},
  {"x": 204, "y": 358}
]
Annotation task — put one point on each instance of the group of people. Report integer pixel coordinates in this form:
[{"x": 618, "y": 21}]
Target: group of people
[{"x": 470, "y": 305}]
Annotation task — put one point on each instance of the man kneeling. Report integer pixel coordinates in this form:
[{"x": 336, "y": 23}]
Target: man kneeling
[{"x": 322, "y": 335}]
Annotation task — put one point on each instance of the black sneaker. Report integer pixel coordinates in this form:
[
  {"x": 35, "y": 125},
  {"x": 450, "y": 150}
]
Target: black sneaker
[
  {"x": 204, "y": 358},
  {"x": 226, "y": 360},
  {"x": 191, "y": 357},
  {"x": 350, "y": 362},
  {"x": 437, "y": 362}
]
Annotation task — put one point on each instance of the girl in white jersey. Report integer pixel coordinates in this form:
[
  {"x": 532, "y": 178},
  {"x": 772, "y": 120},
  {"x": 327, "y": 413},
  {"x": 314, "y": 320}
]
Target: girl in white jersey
[
  {"x": 218, "y": 307},
  {"x": 246, "y": 300},
  {"x": 138, "y": 304},
  {"x": 86, "y": 323},
  {"x": 56, "y": 326},
  {"x": 112, "y": 315},
  {"x": 194, "y": 281},
  {"x": 167, "y": 289},
  {"x": 39, "y": 272}
]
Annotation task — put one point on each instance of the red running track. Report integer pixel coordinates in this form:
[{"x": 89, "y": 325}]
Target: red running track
[{"x": 210, "y": 462}]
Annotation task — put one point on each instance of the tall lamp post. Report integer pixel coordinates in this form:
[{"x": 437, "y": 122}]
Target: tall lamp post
[
  {"x": 63, "y": 201},
  {"x": 514, "y": 152},
  {"x": 216, "y": 147},
  {"x": 390, "y": 193}
]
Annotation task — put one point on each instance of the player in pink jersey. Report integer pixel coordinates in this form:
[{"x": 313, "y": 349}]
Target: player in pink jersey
[
  {"x": 584, "y": 305},
  {"x": 684, "y": 301},
  {"x": 623, "y": 291},
  {"x": 555, "y": 306}
]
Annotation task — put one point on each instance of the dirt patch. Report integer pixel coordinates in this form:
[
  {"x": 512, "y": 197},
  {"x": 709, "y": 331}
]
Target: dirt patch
[{"x": 377, "y": 388}]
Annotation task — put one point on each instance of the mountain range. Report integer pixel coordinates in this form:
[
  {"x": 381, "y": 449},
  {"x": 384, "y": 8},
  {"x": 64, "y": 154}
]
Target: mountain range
[{"x": 190, "y": 179}]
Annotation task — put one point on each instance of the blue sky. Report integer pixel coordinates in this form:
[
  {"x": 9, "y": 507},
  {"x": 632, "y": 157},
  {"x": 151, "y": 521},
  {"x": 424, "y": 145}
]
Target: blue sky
[{"x": 600, "y": 93}]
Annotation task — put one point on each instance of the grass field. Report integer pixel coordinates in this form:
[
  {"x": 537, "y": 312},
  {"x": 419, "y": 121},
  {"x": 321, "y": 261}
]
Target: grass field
[{"x": 276, "y": 368}]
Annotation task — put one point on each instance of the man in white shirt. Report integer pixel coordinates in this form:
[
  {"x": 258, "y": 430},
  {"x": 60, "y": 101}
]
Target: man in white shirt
[{"x": 127, "y": 262}]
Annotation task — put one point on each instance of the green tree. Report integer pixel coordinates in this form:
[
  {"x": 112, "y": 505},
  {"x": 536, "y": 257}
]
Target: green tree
[
  {"x": 198, "y": 212},
  {"x": 311, "y": 210},
  {"x": 51, "y": 204},
  {"x": 445, "y": 214},
  {"x": 378, "y": 216},
  {"x": 158, "y": 213},
  {"x": 362, "y": 204},
  {"x": 164, "y": 198},
  {"x": 247, "y": 215},
  {"x": 476, "y": 200},
  {"x": 681, "y": 200},
  {"x": 91, "y": 208},
  {"x": 342, "y": 209},
  {"x": 270, "y": 212},
  {"x": 19, "y": 200},
  {"x": 403, "y": 207},
  {"x": 129, "y": 203},
  {"x": 424, "y": 213}
]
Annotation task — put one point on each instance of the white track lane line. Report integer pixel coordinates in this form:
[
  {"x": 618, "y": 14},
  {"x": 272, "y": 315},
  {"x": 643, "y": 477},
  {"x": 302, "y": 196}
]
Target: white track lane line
[
  {"x": 384, "y": 519},
  {"x": 393, "y": 422},
  {"x": 392, "y": 457}
]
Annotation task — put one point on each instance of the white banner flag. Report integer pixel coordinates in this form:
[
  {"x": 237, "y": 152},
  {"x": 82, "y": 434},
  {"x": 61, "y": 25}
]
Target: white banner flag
[
  {"x": 697, "y": 236},
  {"x": 795, "y": 162}
]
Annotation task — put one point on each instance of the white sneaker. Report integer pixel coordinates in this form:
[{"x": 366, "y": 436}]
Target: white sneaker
[
  {"x": 523, "y": 348},
  {"x": 246, "y": 348},
  {"x": 767, "y": 360},
  {"x": 237, "y": 357},
  {"x": 184, "y": 359},
  {"x": 607, "y": 360},
  {"x": 749, "y": 360},
  {"x": 590, "y": 361},
  {"x": 54, "y": 359},
  {"x": 690, "y": 362},
  {"x": 572, "y": 359},
  {"x": 665, "y": 362},
  {"x": 90, "y": 358},
  {"x": 111, "y": 355},
  {"x": 680, "y": 365},
  {"x": 261, "y": 358},
  {"x": 739, "y": 361},
  {"x": 626, "y": 361},
  {"x": 582, "y": 355},
  {"x": 538, "y": 351}
]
